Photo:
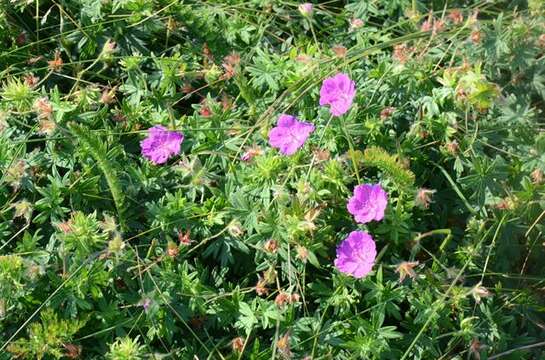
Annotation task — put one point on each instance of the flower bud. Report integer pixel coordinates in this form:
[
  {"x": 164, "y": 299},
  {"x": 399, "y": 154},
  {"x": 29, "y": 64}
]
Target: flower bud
[
  {"x": 172, "y": 249},
  {"x": 116, "y": 244},
  {"x": 387, "y": 112},
  {"x": 23, "y": 208},
  {"x": 108, "y": 50},
  {"x": 355, "y": 24},
  {"x": 306, "y": 9},
  {"x": 261, "y": 287},
  {"x": 235, "y": 228}
]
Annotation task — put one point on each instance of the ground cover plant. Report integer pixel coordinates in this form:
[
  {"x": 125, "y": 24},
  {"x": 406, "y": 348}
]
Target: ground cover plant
[{"x": 269, "y": 179}]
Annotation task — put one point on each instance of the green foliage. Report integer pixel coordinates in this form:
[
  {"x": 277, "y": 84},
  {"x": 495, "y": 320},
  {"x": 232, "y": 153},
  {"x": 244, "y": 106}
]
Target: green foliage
[
  {"x": 47, "y": 337},
  {"x": 125, "y": 349},
  {"x": 227, "y": 250},
  {"x": 377, "y": 157},
  {"x": 98, "y": 151}
]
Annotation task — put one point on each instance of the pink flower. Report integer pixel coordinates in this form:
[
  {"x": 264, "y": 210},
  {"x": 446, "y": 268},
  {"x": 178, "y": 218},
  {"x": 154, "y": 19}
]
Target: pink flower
[
  {"x": 161, "y": 144},
  {"x": 356, "y": 254},
  {"x": 338, "y": 92},
  {"x": 368, "y": 203},
  {"x": 289, "y": 134}
]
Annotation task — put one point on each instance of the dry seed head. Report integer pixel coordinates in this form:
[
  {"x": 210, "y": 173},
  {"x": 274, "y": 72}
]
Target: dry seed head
[
  {"x": 537, "y": 176},
  {"x": 56, "y": 63},
  {"x": 271, "y": 246},
  {"x": 456, "y": 17},
  {"x": 423, "y": 198},
  {"x": 261, "y": 287},
  {"x": 406, "y": 268},
  {"x": 43, "y": 107},
  {"x": 302, "y": 253},
  {"x": 237, "y": 344}
]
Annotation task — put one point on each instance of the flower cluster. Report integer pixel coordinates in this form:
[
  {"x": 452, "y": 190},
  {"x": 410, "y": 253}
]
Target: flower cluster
[
  {"x": 288, "y": 136},
  {"x": 356, "y": 254}
]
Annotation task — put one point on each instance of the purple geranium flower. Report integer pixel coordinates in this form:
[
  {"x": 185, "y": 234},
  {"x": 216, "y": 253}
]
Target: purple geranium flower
[
  {"x": 289, "y": 134},
  {"x": 161, "y": 144},
  {"x": 368, "y": 203},
  {"x": 338, "y": 92},
  {"x": 356, "y": 254}
]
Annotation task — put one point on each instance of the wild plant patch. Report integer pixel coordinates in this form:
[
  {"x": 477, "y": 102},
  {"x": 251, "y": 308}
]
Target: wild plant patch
[{"x": 269, "y": 179}]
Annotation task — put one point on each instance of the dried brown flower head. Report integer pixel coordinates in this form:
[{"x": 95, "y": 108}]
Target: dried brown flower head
[
  {"x": 476, "y": 36},
  {"x": 302, "y": 253},
  {"x": 387, "y": 112},
  {"x": 108, "y": 95},
  {"x": 271, "y": 246},
  {"x": 46, "y": 127},
  {"x": 401, "y": 53},
  {"x": 281, "y": 299},
  {"x": 237, "y": 344},
  {"x": 537, "y": 176},
  {"x": 423, "y": 197},
  {"x": 66, "y": 226},
  {"x": 56, "y": 63},
  {"x": 340, "y": 51},
  {"x": 72, "y": 351},
  {"x": 15, "y": 173},
  {"x": 283, "y": 345},
  {"x": 261, "y": 287},
  {"x": 43, "y": 108},
  {"x": 406, "y": 268},
  {"x": 456, "y": 17},
  {"x": 452, "y": 147},
  {"x": 31, "y": 80}
]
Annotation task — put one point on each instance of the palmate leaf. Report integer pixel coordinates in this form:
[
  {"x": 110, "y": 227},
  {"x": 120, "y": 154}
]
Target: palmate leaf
[
  {"x": 538, "y": 83},
  {"x": 487, "y": 176},
  {"x": 247, "y": 231}
]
